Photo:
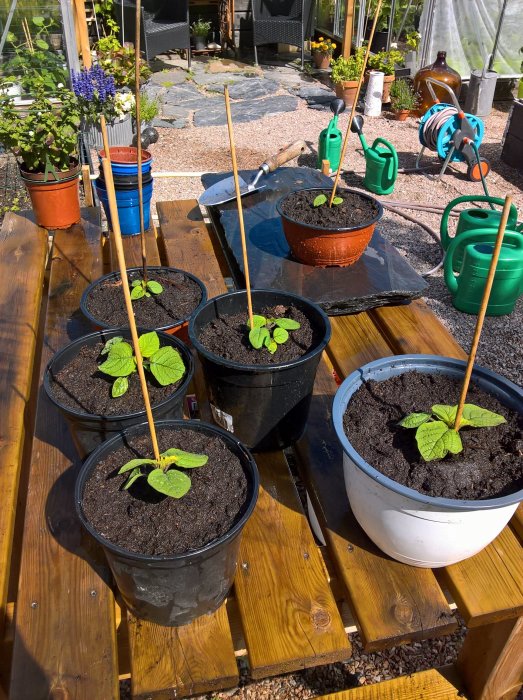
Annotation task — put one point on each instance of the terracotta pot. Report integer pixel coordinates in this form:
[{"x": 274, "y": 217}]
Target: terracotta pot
[
  {"x": 401, "y": 114},
  {"x": 126, "y": 154},
  {"x": 322, "y": 247},
  {"x": 321, "y": 60},
  {"x": 346, "y": 91},
  {"x": 55, "y": 199},
  {"x": 387, "y": 82}
]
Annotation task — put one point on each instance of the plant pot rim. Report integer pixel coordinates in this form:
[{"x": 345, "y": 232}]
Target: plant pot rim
[
  {"x": 341, "y": 229},
  {"x": 95, "y": 417},
  {"x": 31, "y": 176},
  {"x": 118, "y": 160},
  {"x": 198, "y": 425},
  {"x": 116, "y": 274},
  {"x": 259, "y": 369},
  {"x": 346, "y": 83},
  {"x": 417, "y": 362}
]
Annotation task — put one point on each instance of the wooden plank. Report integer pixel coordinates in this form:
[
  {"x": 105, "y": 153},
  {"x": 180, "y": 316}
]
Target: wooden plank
[
  {"x": 289, "y": 615},
  {"x": 169, "y": 662},
  {"x": 489, "y": 586},
  {"x": 65, "y": 629},
  {"x": 408, "y": 602},
  {"x": 23, "y": 253},
  {"x": 418, "y": 686},
  {"x": 133, "y": 250},
  {"x": 517, "y": 522},
  {"x": 491, "y": 661},
  {"x": 189, "y": 246}
]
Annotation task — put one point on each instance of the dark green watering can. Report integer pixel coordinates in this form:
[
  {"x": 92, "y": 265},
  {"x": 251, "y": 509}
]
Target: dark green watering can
[
  {"x": 474, "y": 219},
  {"x": 381, "y": 161},
  {"x": 467, "y": 288}
]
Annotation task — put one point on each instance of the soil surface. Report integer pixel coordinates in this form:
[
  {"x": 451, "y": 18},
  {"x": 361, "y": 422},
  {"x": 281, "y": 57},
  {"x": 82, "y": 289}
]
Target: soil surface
[
  {"x": 228, "y": 337},
  {"x": 489, "y": 466},
  {"x": 143, "y": 520},
  {"x": 81, "y": 386},
  {"x": 178, "y": 300},
  {"x": 355, "y": 210}
]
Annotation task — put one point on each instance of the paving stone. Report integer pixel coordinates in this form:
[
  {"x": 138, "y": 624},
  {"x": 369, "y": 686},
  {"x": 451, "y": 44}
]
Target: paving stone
[
  {"x": 182, "y": 93},
  {"x": 167, "y": 78},
  {"x": 176, "y": 111},
  {"x": 153, "y": 91},
  {"x": 171, "y": 123},
  {"x": 316, "y": 96},
  {"x": 251, "y": 88},
  {"x": 209, "y": 80},
  {"x": 246, "y": 111}
]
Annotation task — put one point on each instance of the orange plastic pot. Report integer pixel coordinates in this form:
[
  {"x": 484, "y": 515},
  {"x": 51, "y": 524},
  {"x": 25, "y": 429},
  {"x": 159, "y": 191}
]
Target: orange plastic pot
[
  {"x": 54, "y": 200},
  {"x": 126, "y": 154},
  {"x": 387, "y": 82},
  {"x": 346, "y": 91},
  {"x": 322, "y": 247}
]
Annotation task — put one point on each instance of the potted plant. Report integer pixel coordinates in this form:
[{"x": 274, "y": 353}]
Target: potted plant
[
  {"x": 260, "y": 379},
  {"x": 412, "y": 41},
  {"x": 322, "y": 52},
  {"x": 149, "y": 109},
  {"x": 403, "y": 99},
  {"x": 322, "y": 235},
  {"x": 425, "y": 493},
  {"x": 93, "y": 381},
  {"x": 44, "y": 139},
  {"x": 164, "y": 302},
  {"x": 345, "y": 75},
  {"x": 386, "y": 61},
  {"x": 200, "y": 29},
  {"x": 120, "y": 62}
]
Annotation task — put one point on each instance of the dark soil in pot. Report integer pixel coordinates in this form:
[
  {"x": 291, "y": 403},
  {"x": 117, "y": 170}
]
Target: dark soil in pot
[
  {"x": 228, "y": 337},
  {"x": 142, "y": 520},
  {"x": 180, "y": 297},
  {"x": 355, "y": 210},
  {"x": 489, "y": 466},
  {"x": 79, "y": 385}
]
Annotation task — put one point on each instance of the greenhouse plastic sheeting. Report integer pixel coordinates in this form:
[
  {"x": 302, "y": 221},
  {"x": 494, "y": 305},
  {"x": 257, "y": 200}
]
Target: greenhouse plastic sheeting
[{"x": 466, "y": 30}]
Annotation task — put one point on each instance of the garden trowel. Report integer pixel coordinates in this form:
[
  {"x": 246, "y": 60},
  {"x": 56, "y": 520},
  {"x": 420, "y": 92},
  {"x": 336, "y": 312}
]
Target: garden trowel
[{"x": 224, "y": 191}]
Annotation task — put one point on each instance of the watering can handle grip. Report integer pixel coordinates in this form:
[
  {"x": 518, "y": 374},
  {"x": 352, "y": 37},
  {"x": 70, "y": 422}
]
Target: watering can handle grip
[
  {"x": 284, "y": 155},
  {"x": 444, "y": 226},
  {"x": 392, "y": 150}
]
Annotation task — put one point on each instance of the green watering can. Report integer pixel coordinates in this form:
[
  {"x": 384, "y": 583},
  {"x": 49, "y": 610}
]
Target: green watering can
[
  {"x": 331, "y": 138},
  {"x": 468, "y": 287},
  {"x": 381, "y": 161},
  {"x": 474, "y": 219}
]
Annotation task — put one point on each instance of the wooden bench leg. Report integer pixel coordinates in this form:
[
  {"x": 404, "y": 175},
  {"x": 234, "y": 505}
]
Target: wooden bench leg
[{"x": 491, "y": 660}]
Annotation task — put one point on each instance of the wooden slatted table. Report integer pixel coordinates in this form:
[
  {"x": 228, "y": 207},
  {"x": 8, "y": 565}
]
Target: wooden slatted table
[{"x": 65, "y": 635}]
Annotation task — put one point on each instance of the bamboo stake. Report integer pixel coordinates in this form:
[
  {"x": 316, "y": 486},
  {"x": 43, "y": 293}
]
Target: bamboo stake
[
  {"x": 483, "y": 309},
  {"x": 109, "y": 183},
  {"x": 354, "y": 104},
  {"x": 139, "y": 132},
  {"x": 28, "y": 38},
  {"x": 239, "y": 203}
]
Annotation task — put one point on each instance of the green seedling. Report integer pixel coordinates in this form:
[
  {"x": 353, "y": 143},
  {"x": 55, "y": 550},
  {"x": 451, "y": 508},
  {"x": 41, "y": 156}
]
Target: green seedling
[
  {"x": 141, "y": 288},
  {"x": 165, "y": 364},
  {"x": 161, "y": 477},
  {"x": 270, "y": 332},
  {"x": 321, "y": 199},
  {"x": 436, "y": 435}
]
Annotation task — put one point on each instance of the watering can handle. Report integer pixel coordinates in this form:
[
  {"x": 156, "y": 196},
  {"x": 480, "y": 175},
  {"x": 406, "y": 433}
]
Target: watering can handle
[
  {"x": 444, "y": 226},
  {"x": 392, "y": 150},
  {"x": 451, "y": 281}
]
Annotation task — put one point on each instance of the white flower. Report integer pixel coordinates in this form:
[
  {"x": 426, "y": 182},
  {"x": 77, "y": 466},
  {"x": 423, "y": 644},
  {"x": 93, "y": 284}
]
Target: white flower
[
  {"x": 31, "y": 133},
  {"x": 60, "y": 85},
  {"x": 394, "y": 45}
]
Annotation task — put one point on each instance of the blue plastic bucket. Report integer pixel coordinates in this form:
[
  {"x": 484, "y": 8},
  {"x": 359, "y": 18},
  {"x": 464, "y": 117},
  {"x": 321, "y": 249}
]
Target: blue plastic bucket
[{"x": 128, "y": 208}]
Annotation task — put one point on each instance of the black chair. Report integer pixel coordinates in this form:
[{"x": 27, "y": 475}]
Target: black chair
[
  {"x": 164, "y": 26},
  {"x": 285, "y": 21}
]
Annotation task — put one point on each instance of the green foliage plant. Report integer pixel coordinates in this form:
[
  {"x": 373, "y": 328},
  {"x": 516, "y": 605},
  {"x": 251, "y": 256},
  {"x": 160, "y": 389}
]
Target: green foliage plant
[
  {"x": 402, "y": 96},
  {"x": 171, "y": 482},
  {"x": 149, "y": 107},
  {"x": 348, "y": 69},
  {"x": 322, "y": 199},
  {"x": 412, "y": 40},
  {"x": 141, "y": 288},
  {"x": 119, "y": 61},
  {"x": 105, "y": 12},
  {"x": 164, "y": 363},
  {"x": 200, "y": 27},
  {"x": 436, "y": 435},
  {"x": 270, "y": 332},
  {"x": 385, "y": 61},
  {"x": 45, "y": 135}
]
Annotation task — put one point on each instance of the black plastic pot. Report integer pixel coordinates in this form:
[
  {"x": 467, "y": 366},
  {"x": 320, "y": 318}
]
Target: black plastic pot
[
  {"x": 265, "y": 406},
  {"x": 126, "y": 182},
  {"x": 177, "y": 327},
  {"x": 174, "y": 590},
  {"x": 89, "y": 430}
]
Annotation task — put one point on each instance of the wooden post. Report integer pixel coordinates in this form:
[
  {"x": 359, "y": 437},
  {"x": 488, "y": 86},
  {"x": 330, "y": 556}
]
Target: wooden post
[
  {"x": 348, "y": 28},
  {"x": 81, "y": 24},
  {"x": 88, "y": 188}
]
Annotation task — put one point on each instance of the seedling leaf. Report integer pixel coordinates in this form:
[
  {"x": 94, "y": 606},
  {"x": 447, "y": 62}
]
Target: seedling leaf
[
  {"x": 167, "y": 365},
  {"x": 257, "y": 321},
  {"x": 481, "y": 417},
  {"x": 135, "y": 474},
  {"x": 436, "y": 439},
  {"x": 258, "y": 336},
  {"x": 133, "y": 463},
  {"x": 187, "y": 460},
  {"x": 38, "y": 21},
  {"x": 288, "y": 323},
  {"x": 121, "y": 349},
  {"x": 319, "y": 200},
  {"x": 149, "y": 343},
  {"x": 117, "y": 366},
  {"x": 136, "y": 283},
  {"x": 280, "y": 335},
  {"x": 337, "y": 200},
  {"x": 271, "y": 346},
  {"x": 154, "y": 287},
  {"x": 172, "y": 483},
  {"x": 109, "y": 344},
  {"x": 120, "y": 386},
  {"x": 42, "y": 44},
  {"x": 414, "y": 420},
  {"x": 138, "y": 292}
]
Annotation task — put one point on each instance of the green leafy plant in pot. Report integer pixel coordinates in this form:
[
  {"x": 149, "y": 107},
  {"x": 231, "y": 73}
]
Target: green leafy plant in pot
[
  {"x": 345, "y": 75},
  {"x": 403, "y": 99},
  {"x": 44, "y": 138},
  {"x": 386, "y": 62},
  {"x": 200, "y": 30}
]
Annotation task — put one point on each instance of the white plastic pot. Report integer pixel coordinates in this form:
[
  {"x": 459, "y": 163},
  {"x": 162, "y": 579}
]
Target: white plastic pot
[{"x": 409, "y": 526}]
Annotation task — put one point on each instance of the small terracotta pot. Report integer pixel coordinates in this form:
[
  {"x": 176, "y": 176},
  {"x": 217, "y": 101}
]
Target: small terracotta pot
[
  {"x": 322, "y": 247},
  {"x": 387, "y": 82},
  {"x": 321, "y": 60},
  {"x": 346, "y": 91},
  {"x": 401, "y": 114},
  {"x": 54, "y": 200}
]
